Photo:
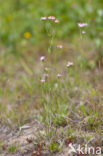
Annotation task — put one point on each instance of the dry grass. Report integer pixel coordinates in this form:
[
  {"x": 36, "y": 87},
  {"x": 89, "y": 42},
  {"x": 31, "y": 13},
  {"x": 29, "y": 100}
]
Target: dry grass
[{"x": 69, "y": 105}]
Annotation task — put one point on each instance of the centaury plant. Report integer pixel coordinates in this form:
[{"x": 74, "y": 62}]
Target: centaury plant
[{"x": 54, "y": 98}]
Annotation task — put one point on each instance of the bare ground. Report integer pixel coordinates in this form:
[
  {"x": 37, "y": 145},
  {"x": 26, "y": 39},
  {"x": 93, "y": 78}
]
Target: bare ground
[{"x": 25, "y": 145}]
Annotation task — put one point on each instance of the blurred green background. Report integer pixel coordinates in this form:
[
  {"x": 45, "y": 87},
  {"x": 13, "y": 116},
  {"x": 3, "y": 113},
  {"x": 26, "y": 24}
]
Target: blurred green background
[{"x": 20, "y": 21}]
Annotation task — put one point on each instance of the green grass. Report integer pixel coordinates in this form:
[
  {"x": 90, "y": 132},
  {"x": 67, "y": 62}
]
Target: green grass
[
  {"x": 58, "y": 99},
  {"x": 66, "y": 103}
]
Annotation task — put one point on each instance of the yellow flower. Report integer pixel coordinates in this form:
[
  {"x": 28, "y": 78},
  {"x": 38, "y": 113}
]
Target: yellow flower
[{"x": 27, "y": 35}]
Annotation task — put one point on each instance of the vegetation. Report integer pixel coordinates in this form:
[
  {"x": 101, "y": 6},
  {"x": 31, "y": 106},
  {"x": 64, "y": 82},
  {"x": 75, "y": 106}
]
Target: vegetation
[{"x": 51, "y": 69}]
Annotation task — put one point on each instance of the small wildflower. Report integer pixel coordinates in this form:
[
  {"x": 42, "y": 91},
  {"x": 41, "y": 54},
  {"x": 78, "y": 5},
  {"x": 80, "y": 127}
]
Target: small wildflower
[
  {"x": 56, "y": 21},
  {"x": 42, "y": 58},
  {"x": 59, "y": 46},
  {"x": 59, "y": 75},
  {"x": 82, "y": 25},
  {"x": 51, "y": 18},
  {"x": 44, "y": 18},
  {"x": 27, "y": 35},
  {"x": 83, "y": 32},
  {"x": 45, "y": 75},
  {"x": 69, "y": 64},
  {"x": 46, "y": 69},
  {"x": 42, "y": 80}
]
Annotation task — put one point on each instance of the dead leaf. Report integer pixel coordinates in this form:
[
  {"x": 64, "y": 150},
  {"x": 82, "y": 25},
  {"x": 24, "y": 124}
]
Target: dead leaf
[
  {"x": 4, "y": 147},
  {"x": 29, "y": 140},
  {"x": 68, "y": 141}
]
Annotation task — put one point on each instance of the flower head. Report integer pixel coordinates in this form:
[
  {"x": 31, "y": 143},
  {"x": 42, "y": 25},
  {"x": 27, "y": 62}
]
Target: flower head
[
  {"x": 44, "y": 18},
  {"x": 45, "y": 76},
  {"x": 51, "y": 18},
  {"x": 69, "y": 64},
  {"x": 82, "y": 25},
  {"x": 46, "y": 68},
  {"x": 42, "y": 58},
  {"x": 27, "y": 35},
  {"x": 56, "y": 21},
  {"x": 42, "y": 80},
  {"x": 59, "y": 75},
  {"x": 59, "y": 46},
  {"x": 83, "y": 32}
]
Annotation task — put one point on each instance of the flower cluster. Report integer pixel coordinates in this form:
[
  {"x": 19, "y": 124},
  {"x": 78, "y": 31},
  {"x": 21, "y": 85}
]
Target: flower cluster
[
  {"x": 51, "y": 18},
  {"x": 81, "y": 25},
  {"x": 45, "y": 75},
  {"x": 46, "y": 69}
]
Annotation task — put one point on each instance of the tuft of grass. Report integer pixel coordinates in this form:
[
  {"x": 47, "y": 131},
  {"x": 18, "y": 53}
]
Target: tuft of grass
[
  {"x": 54, "y": 147},
  {"x": 12, "y": 148}
]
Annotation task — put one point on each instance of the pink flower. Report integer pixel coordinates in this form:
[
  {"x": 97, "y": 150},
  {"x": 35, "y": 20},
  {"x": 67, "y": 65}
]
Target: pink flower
[
  {"x": 46, "y": 69},
  {"x": 83, "y": 32},
  {"x": 42, "y": 58},
  {"x": 69, "y": 64},
  {"x": 44, "y": 18},
  {"x": 45, "y": 75},
  {"x": 82, "y": 25},
  {"x": 42, "y": 80},
  {"x": 56, "y": 21},
  {"x": 59, "y": 46},
  {"x": 59, "y": 75},
  {"x": 51, "y": 18}
]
